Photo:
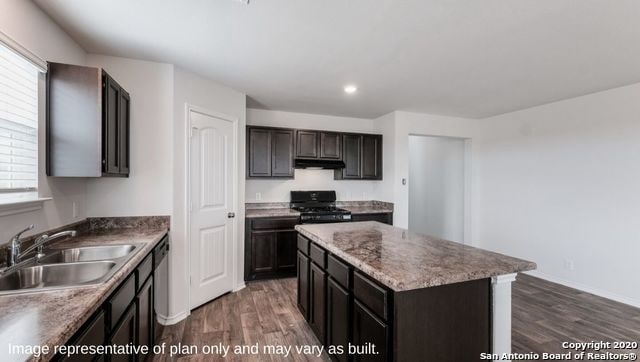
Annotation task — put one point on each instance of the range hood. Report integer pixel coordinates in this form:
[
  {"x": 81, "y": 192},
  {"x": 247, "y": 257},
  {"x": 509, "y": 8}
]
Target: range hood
[{"x": 318, "y": 164}]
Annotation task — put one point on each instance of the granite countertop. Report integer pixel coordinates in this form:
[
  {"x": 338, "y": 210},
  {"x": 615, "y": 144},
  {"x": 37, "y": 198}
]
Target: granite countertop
[
  {"x": 281, "y": 209},
  {"x": 403, "y": 260},
  {"x": 52, "y": 317}
]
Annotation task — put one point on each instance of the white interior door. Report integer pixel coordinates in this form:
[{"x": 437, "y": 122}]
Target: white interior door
[{"x": 212, "y": 190}]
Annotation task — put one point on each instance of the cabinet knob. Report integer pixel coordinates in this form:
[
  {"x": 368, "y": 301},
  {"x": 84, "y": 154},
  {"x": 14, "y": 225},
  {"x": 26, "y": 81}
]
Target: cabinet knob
[{"x": 231, "y": 215}]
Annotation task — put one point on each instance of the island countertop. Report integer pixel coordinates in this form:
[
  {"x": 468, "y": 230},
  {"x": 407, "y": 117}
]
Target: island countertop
[{"x": 404, "y": 260}]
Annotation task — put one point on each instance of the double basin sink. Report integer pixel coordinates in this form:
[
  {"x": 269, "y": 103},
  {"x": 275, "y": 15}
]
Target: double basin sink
[{"x": 67, "y": 268}]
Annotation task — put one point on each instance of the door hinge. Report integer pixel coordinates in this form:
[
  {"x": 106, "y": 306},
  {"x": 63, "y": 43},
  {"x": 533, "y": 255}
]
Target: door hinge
[
  {"x": 192, "y": 131},
  {"x": 190, "y": 280}
]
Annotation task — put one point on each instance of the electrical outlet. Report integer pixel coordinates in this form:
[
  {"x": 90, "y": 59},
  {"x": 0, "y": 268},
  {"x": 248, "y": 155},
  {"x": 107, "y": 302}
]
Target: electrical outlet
[
  {"x": 568, "y": 264},
  {"x": 258, "y": 196},
  {"x": 74, "y": 210}
]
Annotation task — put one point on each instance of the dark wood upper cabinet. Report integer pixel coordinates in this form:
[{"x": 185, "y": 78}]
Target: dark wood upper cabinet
[
  {"x": 258, "y": 152},
  {"x": 281, "y": 153},
  {"x": 330, "y": 145},
  {"x": 362, "y": 155},
  {"x": 372, "y": 157},
  {"x": 352, "y": 157},
  {"x": 307, "y": 144},
  {"x": 270, "y": 152},
  {"x": 124, "y": 123},
  {"x": 88, "y": 120}
]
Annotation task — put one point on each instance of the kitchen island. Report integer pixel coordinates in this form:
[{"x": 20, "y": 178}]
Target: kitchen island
[{"x": 412, "y": 296}]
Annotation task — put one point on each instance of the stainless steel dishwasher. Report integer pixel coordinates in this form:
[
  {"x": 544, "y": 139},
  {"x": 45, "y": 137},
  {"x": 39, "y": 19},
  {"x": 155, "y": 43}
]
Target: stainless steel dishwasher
[{"x": 161, "y": 285}]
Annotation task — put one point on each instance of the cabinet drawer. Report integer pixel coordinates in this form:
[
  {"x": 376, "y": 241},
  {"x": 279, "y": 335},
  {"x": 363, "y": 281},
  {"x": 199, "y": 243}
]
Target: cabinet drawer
[
  {"x": 338, "y": 271},
  {"x": 120, "y": 300},
  {"x": 371, "y": 294},
  {"x": 303, "y": 244},
  {"x": 144, "y": 270},
  {"x": 274, "y": 224},
  {"x": 318, "y": 255}
]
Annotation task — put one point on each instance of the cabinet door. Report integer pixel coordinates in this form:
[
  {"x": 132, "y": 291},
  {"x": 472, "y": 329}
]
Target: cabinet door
[
  {"x": 303, "y": 285},
  {"x": 263, "y": 251},
  {"x": 367, "y": 328},
  {"x": 111, "y": 126},
  {"x": 330, "y": 145},
  {"x": 125, "y": 114},
  {"x": 307, "y": 144},
  {"x": 282, "y": 153},
  {"x": 259, "y": 152},
  {"x": 125, "y": 333},
  {"x": 338, "y": 317},
  {"x": 286, "y": 246},
  {"x": 352, "y": 148},
  {"x": 317, "y": 294},
  {"x": 371, "y": 157},
  {"x": 92, "y": 335},
  {"x": 144, "y": 304}
]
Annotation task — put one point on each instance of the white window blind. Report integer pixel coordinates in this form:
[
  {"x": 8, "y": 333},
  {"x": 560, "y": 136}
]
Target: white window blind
[{"x": 18, "y": 122}]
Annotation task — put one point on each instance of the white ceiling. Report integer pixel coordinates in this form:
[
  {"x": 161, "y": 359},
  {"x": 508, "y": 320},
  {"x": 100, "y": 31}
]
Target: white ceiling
[{"x": 469, "y": 58}]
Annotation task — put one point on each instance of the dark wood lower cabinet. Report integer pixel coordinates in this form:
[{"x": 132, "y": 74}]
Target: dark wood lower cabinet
[
  {"x": 144, "y": 305},
  {"x": 317, "y": 295},
  {"x": 270, "y": 245},
  {"x": 446, "y": 323},
  {"x": 338, "y": 319},
  {"x": 91, "y": 335},
  {"x": 303, "y": 284},
  {"x": 286, "y": 251},
  {"x": 369, "y": 330},
  {"x": 263, "y": 251},
  {"x": 126, "y": 317},
  {"x": 124, "y": 334}
]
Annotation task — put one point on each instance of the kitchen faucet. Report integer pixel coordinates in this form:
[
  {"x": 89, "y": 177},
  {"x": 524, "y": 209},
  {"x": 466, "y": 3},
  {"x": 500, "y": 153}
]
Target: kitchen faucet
[{"x": 15, "y": 255}]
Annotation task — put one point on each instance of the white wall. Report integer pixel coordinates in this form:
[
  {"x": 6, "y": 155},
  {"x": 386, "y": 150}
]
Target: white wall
[
  {"x": 278, "y": 190},
  {"x": 197, "y": 91},
  {"x": 26, "y": 24},
  {"x": 561, "y": 182},
  {"x": 436, "y": 190},
  {"x": 149, "y": 187}
]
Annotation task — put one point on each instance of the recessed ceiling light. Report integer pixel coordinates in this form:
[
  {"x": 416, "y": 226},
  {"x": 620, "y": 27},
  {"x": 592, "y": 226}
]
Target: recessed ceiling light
[{"x": 350, "y": 89}]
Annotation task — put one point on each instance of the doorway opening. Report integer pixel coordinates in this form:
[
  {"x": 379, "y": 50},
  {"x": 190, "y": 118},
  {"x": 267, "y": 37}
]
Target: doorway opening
[{"x": 437, "y": 186}]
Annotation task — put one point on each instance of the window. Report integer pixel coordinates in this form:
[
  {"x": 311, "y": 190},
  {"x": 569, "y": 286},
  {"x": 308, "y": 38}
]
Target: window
[{"x": 18, "y": 122}]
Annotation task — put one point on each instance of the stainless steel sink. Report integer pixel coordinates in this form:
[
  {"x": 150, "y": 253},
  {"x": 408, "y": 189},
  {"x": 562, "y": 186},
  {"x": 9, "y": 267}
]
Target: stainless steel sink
[
  {"x": 74, "y": 267},
  {"x": 89, "y": 253},
  {"x": 49, "y": 276}
]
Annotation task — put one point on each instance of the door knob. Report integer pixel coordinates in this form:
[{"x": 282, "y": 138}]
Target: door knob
[{"x": 231, "y": 215}]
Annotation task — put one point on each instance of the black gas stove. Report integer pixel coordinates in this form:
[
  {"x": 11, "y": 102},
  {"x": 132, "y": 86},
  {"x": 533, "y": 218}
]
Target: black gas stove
[{"x": 318, "y": 207}]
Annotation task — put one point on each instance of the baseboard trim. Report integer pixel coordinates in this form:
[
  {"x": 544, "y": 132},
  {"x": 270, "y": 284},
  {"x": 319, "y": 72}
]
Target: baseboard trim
[
  {"x": 167, "y": 321},
  {"x": 239, "y": 287},
  {"x": 585, "y": 288}
]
